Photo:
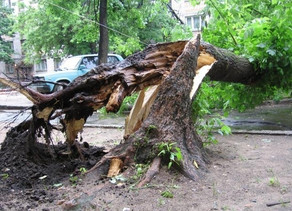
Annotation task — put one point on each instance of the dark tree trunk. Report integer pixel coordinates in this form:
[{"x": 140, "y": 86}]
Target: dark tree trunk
[{"x": 103, "y": 39}]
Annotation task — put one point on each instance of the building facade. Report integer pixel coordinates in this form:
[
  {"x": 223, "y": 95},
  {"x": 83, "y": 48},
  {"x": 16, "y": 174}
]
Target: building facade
[
  {"x": 193, "y": 16},
  {"x": 18, "y": 69}
]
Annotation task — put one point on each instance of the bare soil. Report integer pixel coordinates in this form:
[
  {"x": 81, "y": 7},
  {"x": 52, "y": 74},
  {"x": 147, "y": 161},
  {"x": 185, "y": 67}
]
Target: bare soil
[{"x": 246, "y": 172}]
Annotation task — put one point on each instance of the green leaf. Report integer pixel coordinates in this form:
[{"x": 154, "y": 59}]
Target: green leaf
[
  {"x": 167, "y": 194},
  {"x": 226, "y": 130},
  {"x": 271, "y": 52},
  {"x": 179, "y": 156},
  {"x": 162, "y": 152}
]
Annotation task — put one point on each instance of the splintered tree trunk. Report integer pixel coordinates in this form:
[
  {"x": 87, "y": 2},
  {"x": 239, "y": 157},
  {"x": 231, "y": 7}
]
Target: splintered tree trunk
[
  {"x": 169, "y": 121},
  {"x": 171, "y": 112}
]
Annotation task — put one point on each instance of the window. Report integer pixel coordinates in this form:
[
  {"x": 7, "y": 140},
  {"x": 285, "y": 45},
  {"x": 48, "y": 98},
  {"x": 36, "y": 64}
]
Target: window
[
  {"x": 195, "y": 22},
  {"x": 9, "y": 69},
  {"x": 42, "y": 66},
  {"x": 112, "y": 59},
  {"x": 57, "y": 63},
  {"x": 90, "y": 62}
]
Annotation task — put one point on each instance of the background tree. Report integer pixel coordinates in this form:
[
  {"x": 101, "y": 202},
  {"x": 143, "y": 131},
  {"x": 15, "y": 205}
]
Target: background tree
[
  {"x": 56, "y": 29},
  {"x": 5, "y": 27},
  {"x": 260, "y": 31},
  {"x": 103, "y": 41}
]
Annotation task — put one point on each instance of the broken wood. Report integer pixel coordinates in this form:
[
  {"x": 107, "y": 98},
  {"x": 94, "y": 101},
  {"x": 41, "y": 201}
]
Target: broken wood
[
  {"x": 115, "y": 168},
  {"x": 140, "y": 110}
]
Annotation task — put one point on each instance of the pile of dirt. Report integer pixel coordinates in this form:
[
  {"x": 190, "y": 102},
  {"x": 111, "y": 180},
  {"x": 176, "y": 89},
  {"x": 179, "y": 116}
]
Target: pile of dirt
[{"x": 46, "y": 166}]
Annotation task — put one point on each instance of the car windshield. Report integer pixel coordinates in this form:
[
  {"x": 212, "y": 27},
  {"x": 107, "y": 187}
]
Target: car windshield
[{"x": 70, "y": 63}]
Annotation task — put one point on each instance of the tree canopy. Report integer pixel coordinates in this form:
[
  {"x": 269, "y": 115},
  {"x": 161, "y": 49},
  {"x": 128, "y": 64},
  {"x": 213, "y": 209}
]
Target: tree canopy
[
  {"x": 260, "y": 31},
  {"x": 5, "y": 24},
  {"x": 57, "y": 28}
]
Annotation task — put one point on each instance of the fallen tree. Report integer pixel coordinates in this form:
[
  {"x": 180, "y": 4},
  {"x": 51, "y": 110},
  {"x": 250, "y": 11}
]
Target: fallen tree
[{"x": 160, "y": 127}]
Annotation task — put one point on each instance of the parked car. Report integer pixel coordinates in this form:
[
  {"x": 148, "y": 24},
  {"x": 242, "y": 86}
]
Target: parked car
[{"x": 69, "y": 69}]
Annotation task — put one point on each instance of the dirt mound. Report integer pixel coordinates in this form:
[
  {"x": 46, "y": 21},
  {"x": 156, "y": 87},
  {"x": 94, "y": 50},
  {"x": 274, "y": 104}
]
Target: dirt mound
[{"x": 46, "y": 166}]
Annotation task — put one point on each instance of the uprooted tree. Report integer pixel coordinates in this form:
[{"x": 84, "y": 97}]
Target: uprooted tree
[{"x": 161, "y": 115}]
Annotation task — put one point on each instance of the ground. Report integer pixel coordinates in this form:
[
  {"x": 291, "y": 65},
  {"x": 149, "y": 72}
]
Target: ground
[{"x": 246, "y": 172}]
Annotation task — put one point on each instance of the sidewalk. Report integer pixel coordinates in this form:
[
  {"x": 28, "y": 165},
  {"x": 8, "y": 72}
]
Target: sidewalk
[{"x": 13, "y": 100}]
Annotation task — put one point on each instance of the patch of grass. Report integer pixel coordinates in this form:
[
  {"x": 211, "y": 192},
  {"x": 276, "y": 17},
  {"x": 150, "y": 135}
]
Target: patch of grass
[
  {"x": 140, "y": 170},
  {"x": 4, "y": 176},
  {"x": 273, "y": 181},
  {"x": 167, "y": 194}
]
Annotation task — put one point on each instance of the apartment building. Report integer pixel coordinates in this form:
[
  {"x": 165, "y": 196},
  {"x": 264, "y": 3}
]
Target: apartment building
[
  {"x": 193, "y": 16},
  {"x": 18, "y": 69}
]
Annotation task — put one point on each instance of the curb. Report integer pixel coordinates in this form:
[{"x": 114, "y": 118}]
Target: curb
[
  {"x": 264, "y": 132},
  {"x": 104, "y": 126},
  {"x": 10, "y": 107}
]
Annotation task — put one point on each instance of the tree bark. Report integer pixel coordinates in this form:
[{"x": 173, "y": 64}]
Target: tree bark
[{"x": 103, "y": 39}]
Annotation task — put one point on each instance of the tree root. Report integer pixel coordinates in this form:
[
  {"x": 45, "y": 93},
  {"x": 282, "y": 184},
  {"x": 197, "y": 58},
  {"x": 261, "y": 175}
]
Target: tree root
[{"x": 151, "y": 172}]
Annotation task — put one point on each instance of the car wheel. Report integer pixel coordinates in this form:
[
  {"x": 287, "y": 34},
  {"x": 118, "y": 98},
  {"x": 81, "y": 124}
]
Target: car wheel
[{"x": 60, "y": 86}]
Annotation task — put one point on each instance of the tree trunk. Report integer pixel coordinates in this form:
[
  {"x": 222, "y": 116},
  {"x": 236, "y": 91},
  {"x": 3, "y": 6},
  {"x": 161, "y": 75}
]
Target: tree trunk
[
  {"x": 103, "y": 39},
  {"x": 169, "y": 122}
]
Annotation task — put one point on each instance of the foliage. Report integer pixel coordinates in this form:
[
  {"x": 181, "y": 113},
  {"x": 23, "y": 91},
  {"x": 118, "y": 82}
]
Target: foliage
[
  {"x": 5, "y": 27},
  {"x": 140, "y": 170},
  {"x": 74, "y": 179},
  {"x": 127, "y": 103},
  {"x": 167, "y": 194},
  {"x": 261, "y": 32},
  {"x": 167, "y": 149},
  {"x": 58, "y": 28},
  {"x": 211, "y": 97},
  {"x": 4, "y": 176},
  {"x": 273, "y": 181}
]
